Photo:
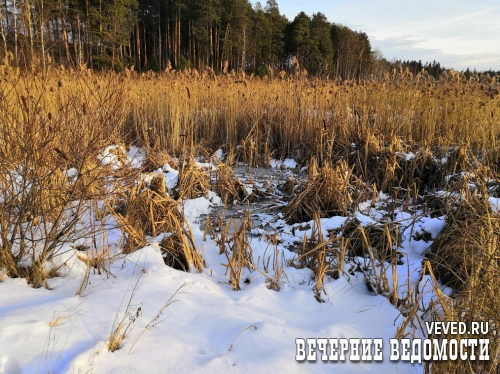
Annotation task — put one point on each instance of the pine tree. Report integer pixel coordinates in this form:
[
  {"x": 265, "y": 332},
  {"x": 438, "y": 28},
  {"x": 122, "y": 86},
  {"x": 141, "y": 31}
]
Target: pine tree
[
  {"x": 277, "y": 23},
  {"x": 262, "y": 41},
  {"x": 322, "y": 53},
  {"x": 298, "y": 39},
  {"x": 116, "y": 21}
]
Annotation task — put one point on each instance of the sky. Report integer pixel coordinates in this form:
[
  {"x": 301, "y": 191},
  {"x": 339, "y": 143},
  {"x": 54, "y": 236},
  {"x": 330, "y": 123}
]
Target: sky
[{"x": 456, "y": 33}]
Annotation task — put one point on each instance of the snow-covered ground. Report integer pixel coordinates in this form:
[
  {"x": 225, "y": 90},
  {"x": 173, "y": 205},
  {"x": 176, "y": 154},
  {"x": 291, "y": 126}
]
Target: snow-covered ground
[
  {"x": 54, "y": 331},
  {"x": 209, "y": 328}
]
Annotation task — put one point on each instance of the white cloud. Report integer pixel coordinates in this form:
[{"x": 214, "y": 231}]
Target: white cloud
[{"x": 458, "y": 33}]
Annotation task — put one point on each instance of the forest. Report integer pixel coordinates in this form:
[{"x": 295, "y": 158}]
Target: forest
[{"x": 221, "y": 35}]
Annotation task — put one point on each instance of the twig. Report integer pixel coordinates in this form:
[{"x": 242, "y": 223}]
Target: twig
[
  {"x": 155, "y": 321},
  {"x": 231, "y": 345}
]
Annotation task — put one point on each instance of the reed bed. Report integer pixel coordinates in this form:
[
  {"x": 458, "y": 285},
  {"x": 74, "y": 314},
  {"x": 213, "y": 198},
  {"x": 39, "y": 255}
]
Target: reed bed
[
  {"x": 293, "y": 117},
  {"x": 465, "y": 257},
  {"x": 286, "y": 115},
  {"x": 304, "y": 118},
  {"x": 467, "y": 248},
  {"x": 402, "y": 133}
]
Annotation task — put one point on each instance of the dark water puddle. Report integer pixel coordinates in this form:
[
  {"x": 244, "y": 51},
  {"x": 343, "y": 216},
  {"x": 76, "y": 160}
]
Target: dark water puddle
[{"x": 264, "y": 208}]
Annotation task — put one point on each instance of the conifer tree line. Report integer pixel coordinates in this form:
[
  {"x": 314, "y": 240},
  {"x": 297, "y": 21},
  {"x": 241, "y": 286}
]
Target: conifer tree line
[{"x": 222, "y": 35}]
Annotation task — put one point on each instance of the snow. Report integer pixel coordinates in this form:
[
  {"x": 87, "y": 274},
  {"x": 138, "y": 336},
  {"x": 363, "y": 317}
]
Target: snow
[
  {"x": 136, "y": 157},
  {"x": 495, "y": 204},
  {"x": 195, "y": 332},
  {"x": 209, "y": 328},
  {"x": 194, "y": 208},
  {"x": 327, "y": 224},
  {"x": 71, "y": 173},
  {"x": 171, "y": 176},
  {"x": 409, "y": 156},
  {"x": 433, "y": 226},
  {"x": 287, "y": 163},
  {"x": 214, "y": 198},
  {"x": 220, "y": 154},
  {"x": 110, "y": 156},
  {"x": 171, "y": 179},
  {"x": 364, "y": 219},
  {"x": 206, "y": 165}
]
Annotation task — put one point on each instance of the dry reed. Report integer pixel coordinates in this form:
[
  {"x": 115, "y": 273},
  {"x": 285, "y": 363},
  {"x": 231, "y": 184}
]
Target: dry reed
[{"x": 332, "y": 191}]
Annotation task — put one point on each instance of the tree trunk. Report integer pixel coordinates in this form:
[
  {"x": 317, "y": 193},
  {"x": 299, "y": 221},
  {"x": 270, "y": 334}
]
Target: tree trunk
[
  {"x": 88, "y": 34},
  {"x": 138, "y": 46},
  {"x": 65, "y": 40},
  {"x": 29, "y": 27},
  {"x": 178, "y": 33},
  {"x": 74, "y": 41},
  {"x": 15, "y": 33},
  {"x": 244, "y": 48},
  {"x": 2, "y": 30}
]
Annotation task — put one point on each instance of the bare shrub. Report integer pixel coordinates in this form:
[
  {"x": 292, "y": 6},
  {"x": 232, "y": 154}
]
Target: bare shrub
[{"x": 50, "y": 170}]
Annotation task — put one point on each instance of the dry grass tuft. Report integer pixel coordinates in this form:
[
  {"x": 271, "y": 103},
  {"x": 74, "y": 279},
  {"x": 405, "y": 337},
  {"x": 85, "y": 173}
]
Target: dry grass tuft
[
  {"x": 477, "y": 301},
  {"x": 465, "y": 256},
  {"x": 172, "y": 247},
  {"x": 228, "y": 186},
  {"x": 148, "y": 212},
  {"x": 99, "y": 261},
  {"x": 57, "y": 321},
  {"x": 370, "y": 250},
  {"x": 287, "y": 188},
  {"x": 151, "y": 211},
  {"x": 390, "y": 168},
  {"x": 323, "y": 258},
  {"x": 423, "y": 171},
  {"x": 436, "y": 206},
  {"x": 380, "y": 241},
  {"x": 35, "y": 275},
  {"x": 468, "y": 246},
  {"x": 156, "y": 160},
  {"x": 332, "y": 191},
  {"x": 120, "y": 331},
  {"x": 234, "y": 243},
  {"x": 193, "y": 181},
  {"x": 180, "y": 251}
]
